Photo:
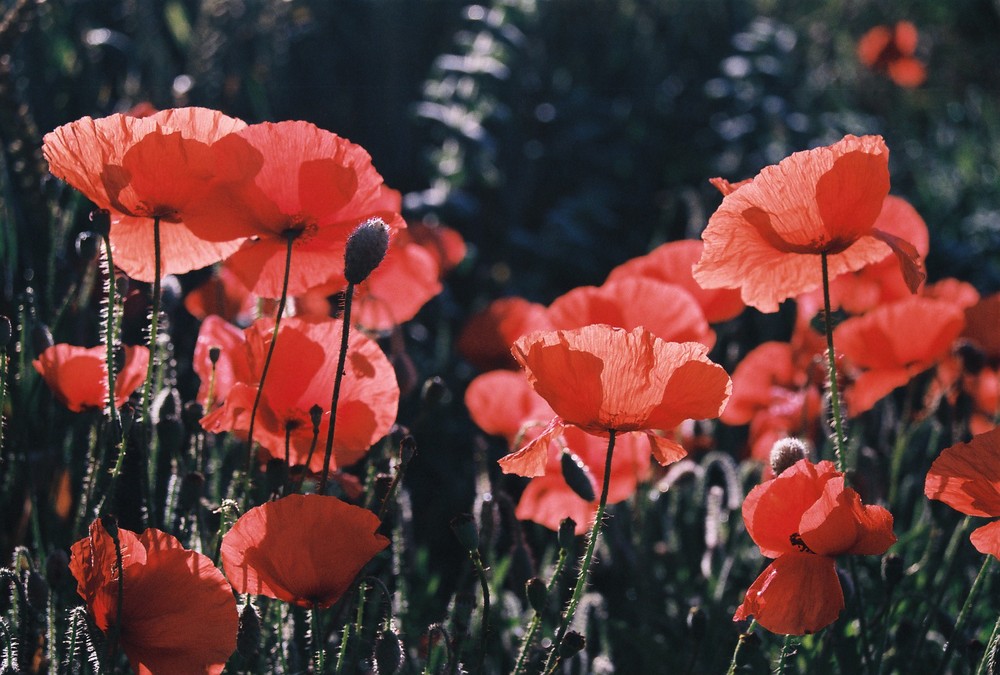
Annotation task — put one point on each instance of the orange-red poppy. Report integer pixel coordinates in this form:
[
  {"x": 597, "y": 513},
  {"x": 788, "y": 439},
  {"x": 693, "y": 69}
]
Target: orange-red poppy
[
  {"x": 668, "y": 311},
  {"x": 672, "y": 263},
  {"x": 601, "y": 379},
  {"x": 775, "y": 396},
  {"x": 486, "y": 338},
  {"x": 880, "y": 282},
  {"x": 314, "y": 187},
  {"x": 222, "y": 295},
  {"x": 168, "y": 166},
  {"x": 232, "y": 365},
  {"x": 803, "y": 518},
  {"x": 445, "y": 244},
  {"x": 78, "y": 376},
  {"x": 301, "y": 376},
  {"x": 502, "y": 403},
  {"x": 170, "y": 595},
  {"x": 303, "y": 549},
  {"x": 966, "y": 477},
  {"x": 890, "y": 49},
  {"x": 883, "y": 351},
  {"x": 767, "y": 235}
]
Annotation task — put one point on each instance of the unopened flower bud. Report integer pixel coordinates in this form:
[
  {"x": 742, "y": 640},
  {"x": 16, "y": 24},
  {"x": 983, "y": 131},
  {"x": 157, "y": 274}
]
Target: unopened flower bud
[
  {"x": 892, "y": 570},
  {"x": 316, "y": 417},
  {"x": 365, "y": 250},
  {"x": 36, "y": 590},
  {"x": 88, "y": 245},
  {"x": 101, "y": 220},
  {"x": 697, "y": 623},
  {"x": 434, "y": 392},
  {"x": 407, "y": 449},
  {"x": 572, "y": 643},
  {"x": 388, "y": 653},
  {"x": 192, "y": 414},
  {"x": 785, "y": 453},
  {"x": 464, "y": 527},
  {"x": 248, "y": 634},
  {"x": 57, "y": 567},
  {"x": 577, "y": 476},
  {"x": 538, "y": 594},
  {"x": 567, "y": 534}
]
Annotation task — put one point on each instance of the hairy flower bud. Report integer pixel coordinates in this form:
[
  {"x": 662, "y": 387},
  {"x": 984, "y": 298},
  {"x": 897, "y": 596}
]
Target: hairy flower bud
[
  {"x": 366, "y": 248},
  {"x": 464, "y": 527},
  {"x": 577, "y": 476},
  {"x": 538, "y": 594},
  {"x": 567, "y": 533},
  {"x": 785, "y": 453},
  {"x": 388, "y": 652}
]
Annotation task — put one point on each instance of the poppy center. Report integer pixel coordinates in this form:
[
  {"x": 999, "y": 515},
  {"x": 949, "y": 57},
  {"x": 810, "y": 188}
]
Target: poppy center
[
  {"x": 796, "y": 540},
  {"x": 761, "y": 221}
]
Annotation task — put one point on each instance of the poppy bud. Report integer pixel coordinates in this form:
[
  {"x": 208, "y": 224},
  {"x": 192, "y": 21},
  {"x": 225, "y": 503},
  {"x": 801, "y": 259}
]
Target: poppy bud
[
  {"x": 101, "y": 220},
  {"x": 316, "y": 417},
  {"x": 248, "y": 633},
  {"x": 577, "y": 476},
  {"x": 434, "y": 392},
  {"x": 87, "y": 245},
  {"x": 697, "y": 623},
  {"x": 214, "y": 352},
  {"x": 36, "y": 589},
  {"x": 407, "y": 449},
  {"x": 785, "y": 453},
  {"x": 567, "y": 534},
  {"x": 56, "y": 567},
  {"x": 192, "y": 414},
  {"x": 892, "y": 570},
  {"x": 192, "y": 486},
  {"x": 464, "y": 527},
  {"x": 5, "y": 331},
  {"x": 276, "y": 473},
  {"x": 365, "y": 250},
  {"x": 522, "y": 566},
  {"x": 388, "y": 653},
  {"x": 538, "y": 594},
  {"x": 41, "y": 338},
  {"x": 572, "y": 643}
]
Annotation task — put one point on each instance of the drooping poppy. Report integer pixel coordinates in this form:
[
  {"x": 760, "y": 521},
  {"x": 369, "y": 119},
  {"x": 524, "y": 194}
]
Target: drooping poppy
[
  {"x": 502, "y": 403},
  {"x": 78, "y": 376},
  {"x": 767, "y": 236},
  {"x": 775, "y": 396},
  {"x": 880, "y": 282},
  {"x": 314, "y": 188},
  {"x": 884, "y": 352},
  {"x": 603, "y": 379},
  {"x": 486, "y": 338},
  {"x": 668, "y": 311},
  {"x": 804, "y": 518},
  {"x": 170, "y": 595},
  {"x": 302, "y": 549},
  {"x": 164, "y": 166},
  {"x": 303, "y": 368},
  {"x": 672, "y": 263},
  {"x": 231, "y": 366},
  {"x": 966, "y": 477},
  {"x": 891, "y": 49}
]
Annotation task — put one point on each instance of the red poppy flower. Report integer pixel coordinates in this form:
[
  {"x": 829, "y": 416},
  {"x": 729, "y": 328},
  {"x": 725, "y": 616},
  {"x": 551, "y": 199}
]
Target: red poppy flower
[
  {"x": 170, "y": 595},
  {"x": 775, "y": 396},
  {"x": 303, "y": 549},
  {"x": 301, "y": 376},
  {"x": 603, "y": 379},
  {"x": 668, "y": 311},
  {"x": 232, "y": 366},
  {"x": 502, "y": 403},
  {"x": 486, "y": 339},
  {"x": 886, "y": 352},
  {"x": 880, "y": 282},
  {"x": 672, "y": 263},
  {"x": 966, "y": 477},
  {"x": 766, "y": 235},
  {"x": 445, "y": 244},
  {"x": 890, "y": 49},
  {"x": 223, "y": 295},
  {"x": 313, "y": 186},
  {"x": 164, "y": 166},
  {"x": 78, "y": 376},
  {"x": 804, "y": 518}
]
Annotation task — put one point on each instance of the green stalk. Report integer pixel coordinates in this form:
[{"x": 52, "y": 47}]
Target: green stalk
[
  {"x": 348, "y": 297},
  {"x": 319, "y": 655},
  {"x": 838, "y": 441},
  {"x": 352, "y": 627},
  {"x": 964, "y": 613},
  {"x": 744, "y": 636},
  {"x": 536, "y": 620},
  {"x": 111, "y": 338},
  {"x": 484, "y": 629},
  {"x": 581, "y": 582},
  {"x": 990, "y": 646}
]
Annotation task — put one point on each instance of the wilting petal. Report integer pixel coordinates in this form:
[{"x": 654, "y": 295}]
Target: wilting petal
[
  {"x": 966, "y": 476},
  {"x": 530, "y": 460},
  {"x": 798, "y": 594}
]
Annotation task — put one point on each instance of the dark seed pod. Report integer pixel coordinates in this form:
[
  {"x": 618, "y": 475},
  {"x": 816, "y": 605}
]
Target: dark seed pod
[
  {"x": 365, "y": 250},
  {"x": 572, "y": 643},
  {"x": 577, "y": 476},
  {"x": 567, "y": 534},
  {"x": 388, "y": 653},
  {"x": 538, "y": 594},
  {"x": 101, "y": 220}
]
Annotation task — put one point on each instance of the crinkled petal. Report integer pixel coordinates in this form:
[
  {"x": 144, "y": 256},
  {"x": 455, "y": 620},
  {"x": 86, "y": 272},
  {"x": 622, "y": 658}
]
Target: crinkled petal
[
  {"x": 966, "y": 476},
  {"x": 798, "y": 594}
]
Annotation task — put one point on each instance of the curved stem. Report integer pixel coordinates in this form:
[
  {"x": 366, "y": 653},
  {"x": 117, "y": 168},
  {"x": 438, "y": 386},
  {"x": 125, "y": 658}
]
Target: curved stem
[
  {"x": 964, "y": 613},
  {"x": 838, "y": 441},
  {"x": 581, "y": 582},
  {"x": 536, "y": 620},
  {"x": 485, "y": 627},
  {"x": 991, "y": 644},
  {"x": 248, "y": 469},
  {"x": 342, "y": 358},
  {"x": 744, "y": 636}
]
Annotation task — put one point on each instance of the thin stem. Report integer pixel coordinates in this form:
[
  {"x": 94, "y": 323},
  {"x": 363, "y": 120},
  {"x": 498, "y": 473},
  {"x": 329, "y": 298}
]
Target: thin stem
[
  {"x": 991, "y": 644},
  {"x": 348, "y": 297},
  {"x": 536, "y": 620},
  {"x": 866, "y": 652},
  {"x": 744, "y": 636},
  {"x": 319, "y": 655},
  {"x": 352, "y": 627},
  {"x": 838, "y": 441},
  {"x": 963, "y": 614},
  {"x": 783, "y": 656},
  {"x": 111, "y": 339},
  {"x": 581, "y": 581},
  {"x": 290, "y": 236},
  {"x": 477, "y": 560}
]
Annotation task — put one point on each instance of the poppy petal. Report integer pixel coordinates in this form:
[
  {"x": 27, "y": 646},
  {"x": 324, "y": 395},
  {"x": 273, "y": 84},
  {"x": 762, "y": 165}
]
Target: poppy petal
[
  {"x": 530, "y": 460},
  {"x": 966, "y": 476},
  {"x": 798, "y": 594},
  {"x": 986, "y": 539}
]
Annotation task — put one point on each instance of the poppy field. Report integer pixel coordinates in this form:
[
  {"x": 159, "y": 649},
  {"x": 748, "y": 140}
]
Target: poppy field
[{"x": 387, "y": 337}]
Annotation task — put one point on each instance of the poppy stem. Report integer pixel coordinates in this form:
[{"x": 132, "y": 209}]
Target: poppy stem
[
  {"x": 147, "y": 387},
  {"x": 838, "y": 440},
  {"x": 991, "y": 645},
  {"x": 866, "y": 652},
  {"x": 536, "y": 620},
  {"x": 352, "y": 626},
  {"x": 581, "y": 582},
  {"x": 744, "y": 636},
  {"x": 319, "y": 656},
  {"x": 111, "y": 338},
  {"x": 290, "y": 237},
  {"x": 484, "y": 629},
  {"x": 345, "y": 332},
  {"x": 786, "y": 648},
  {"x": 964, "y": 613}
]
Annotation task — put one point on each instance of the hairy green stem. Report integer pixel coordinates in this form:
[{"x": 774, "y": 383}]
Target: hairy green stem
[
  {"x": 838, "y": 441},
  {"x": 536, "y": 620},
  {"x": 964, "y": 613},
  {"x": 341, "y": 360},
  {"x": 352, "y": 627},
  {"x": 744, "y": 636}
]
